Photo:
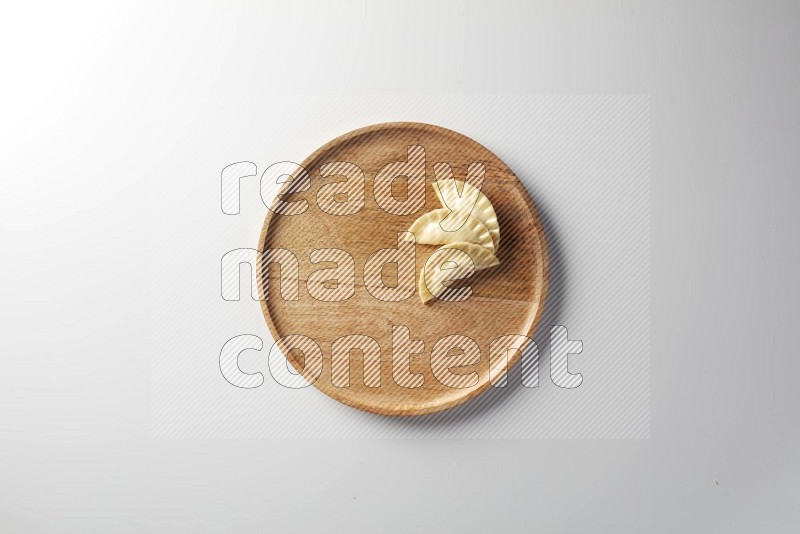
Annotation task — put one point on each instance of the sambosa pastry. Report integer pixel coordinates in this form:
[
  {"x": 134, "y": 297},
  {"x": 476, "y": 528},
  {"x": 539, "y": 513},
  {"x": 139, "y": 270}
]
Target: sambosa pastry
[
  {"x": 447, "y": 193},
  {"x": 450, "y": 263},
  {"x": 428, "y": 230},
  {"x": 467, "y": 227}
]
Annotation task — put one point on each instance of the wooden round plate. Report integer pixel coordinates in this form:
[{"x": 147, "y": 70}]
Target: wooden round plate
[{"x": 507, "y": 299}]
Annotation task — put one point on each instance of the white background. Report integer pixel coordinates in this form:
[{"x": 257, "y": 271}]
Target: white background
[{"x": 101, "y": 102}]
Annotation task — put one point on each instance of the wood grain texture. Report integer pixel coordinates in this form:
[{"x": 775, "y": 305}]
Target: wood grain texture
[{"x": 507, "y": 299}]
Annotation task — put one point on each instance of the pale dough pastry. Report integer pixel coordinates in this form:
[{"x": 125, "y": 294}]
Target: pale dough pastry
[
  {"x": 452, "y": 255},
  {"x": 482, "y": 209},
  {"x": 428, "y": 230}
]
